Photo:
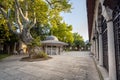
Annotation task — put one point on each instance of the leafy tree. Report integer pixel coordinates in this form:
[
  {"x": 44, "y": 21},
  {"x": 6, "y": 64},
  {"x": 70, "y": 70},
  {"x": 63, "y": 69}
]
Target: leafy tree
[
  {"x": 63, "y": 32},
  {"x": 78, "y": 41},
  {"x": 40, "y": 30},
  {"x": 25, "y": 13},
  {"x": 87, "y": 45},
  {"x": 6, "y": 36},
  {"x": 4, "y": 31}
]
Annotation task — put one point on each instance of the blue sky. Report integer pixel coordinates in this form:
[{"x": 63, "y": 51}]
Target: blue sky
[{"x": 78, "y": 18}]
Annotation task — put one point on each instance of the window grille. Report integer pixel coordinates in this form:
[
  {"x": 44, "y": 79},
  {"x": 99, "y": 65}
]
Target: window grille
[
  {"x": 104, "y": 42},
  {"x": 116, "y": 28}
]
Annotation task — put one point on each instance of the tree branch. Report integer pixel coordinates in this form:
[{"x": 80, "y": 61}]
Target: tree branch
[
  {"x": 6, "y": 16},
  {"x": 26, "y": 8},
  {"x": 18, "y": 19},
  {"x": 56, "y": 2},
  {"x": 49, "y": 3},
  {"x": 3, "y": 12},
  {"x": 20, "y": 11},
  {"x": 34, "y": 21}
]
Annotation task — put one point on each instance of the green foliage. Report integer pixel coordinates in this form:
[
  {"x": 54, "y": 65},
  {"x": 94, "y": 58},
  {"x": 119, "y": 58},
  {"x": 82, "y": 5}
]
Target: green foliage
[
  {"x": 45, "y": 13},
  {"x": 5, "y": 34},
  {"x": 87, "y": 45},
  {"x": 78, "y": 40},
  {"x": 35, "y": 42},
  {"x": 6, "y": 4},
  {"x": 4, "y": 31},
  {"x": 41, "y": 10},
  {"x": 58, "y": 28},
  {"x": 41, "y": 54},
  {"x": 40, "y": 30},
  {"x": 60, "y": 5},
  {"x": 63, "y": 32}
]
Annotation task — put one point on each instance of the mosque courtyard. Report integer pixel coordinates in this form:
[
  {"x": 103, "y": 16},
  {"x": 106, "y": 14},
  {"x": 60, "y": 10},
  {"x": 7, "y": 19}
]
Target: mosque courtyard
[{"x": 73, "y": 65}]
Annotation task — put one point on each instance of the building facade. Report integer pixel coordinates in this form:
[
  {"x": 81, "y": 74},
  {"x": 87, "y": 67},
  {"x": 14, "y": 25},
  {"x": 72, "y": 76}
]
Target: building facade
[{"x": 104, "y": 35}]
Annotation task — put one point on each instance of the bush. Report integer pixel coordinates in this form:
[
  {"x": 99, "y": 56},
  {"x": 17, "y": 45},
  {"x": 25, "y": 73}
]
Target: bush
[
  {"x": 35, "y": 42},
  {"x": 41, "y": 55}
]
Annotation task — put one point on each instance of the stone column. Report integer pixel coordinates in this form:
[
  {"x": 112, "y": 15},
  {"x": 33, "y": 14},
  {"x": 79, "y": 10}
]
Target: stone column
[
  {"x": 100, "y": 50},
  {"x": 46, "y": 49},
  {"x": 96, "y": 49},
  {"x": 93, "y": 48},
  {"x": 95, "y": 54},
  {"x": 111, "y": 45},
  {"x": 59, "y": 50},
  {"x": 56, "y": 50},
  {"x": 51, "y": 51}
]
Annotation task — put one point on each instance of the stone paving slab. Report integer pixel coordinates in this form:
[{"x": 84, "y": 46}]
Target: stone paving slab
[{"x": 68, "y": 66}]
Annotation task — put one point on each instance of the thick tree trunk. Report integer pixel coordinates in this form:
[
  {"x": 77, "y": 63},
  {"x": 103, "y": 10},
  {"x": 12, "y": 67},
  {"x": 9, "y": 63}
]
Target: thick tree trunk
[
  {"x": 1, "y": 48},
  {"x": 11, "y": 48},
  {"x": 8, "y": 49},
  {"x": 26, "y": 36},
  {"x": 23, "y": 22},
  {"x": 14, "y": 47},
  {"x": 5, "y": 48}
]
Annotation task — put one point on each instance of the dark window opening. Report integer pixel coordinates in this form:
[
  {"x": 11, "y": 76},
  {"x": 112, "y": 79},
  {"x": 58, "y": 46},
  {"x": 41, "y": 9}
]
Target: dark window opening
[
  {"x": 116, "y": 27},
  {"x": 105, "y": 43}
]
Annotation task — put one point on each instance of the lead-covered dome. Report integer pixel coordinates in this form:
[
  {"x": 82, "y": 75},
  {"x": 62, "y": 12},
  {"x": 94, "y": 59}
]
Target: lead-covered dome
[{"x": 51, "y": 38}]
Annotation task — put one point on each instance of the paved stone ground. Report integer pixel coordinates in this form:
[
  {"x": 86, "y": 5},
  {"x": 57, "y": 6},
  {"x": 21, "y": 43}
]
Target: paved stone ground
[{"x": 68, "y": 66}]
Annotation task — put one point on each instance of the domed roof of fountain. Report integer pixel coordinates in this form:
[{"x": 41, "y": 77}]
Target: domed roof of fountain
[{"x": 51, "y": 38}]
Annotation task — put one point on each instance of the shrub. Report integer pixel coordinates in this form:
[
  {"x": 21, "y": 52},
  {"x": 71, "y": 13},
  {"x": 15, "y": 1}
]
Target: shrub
[
  {"x": 41, "y": 55},
  {"x": 35, "y": 42}
]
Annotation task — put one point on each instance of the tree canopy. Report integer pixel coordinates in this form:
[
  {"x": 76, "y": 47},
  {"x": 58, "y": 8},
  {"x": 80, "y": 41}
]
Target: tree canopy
[
  {"x": 5, "y": 34},
  {"x": 63, "y": 31},
  {"x": 78, "y": 41},
  {"x": 24, "y": 14}
]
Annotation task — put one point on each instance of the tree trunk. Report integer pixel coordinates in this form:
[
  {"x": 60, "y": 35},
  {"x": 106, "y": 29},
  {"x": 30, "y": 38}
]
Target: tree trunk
[
  {"x": 5, "y": 48},
  {"x": 8, "y": 49},
  {"x": 24, "y": 23},
  {"x": 26, "y": 36},
  {"x": 14, "y": 47},
  {"x": 20, "y": 44},
  {"x": 11, "y": 48},
  {"x": 1, "y": 48}
]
